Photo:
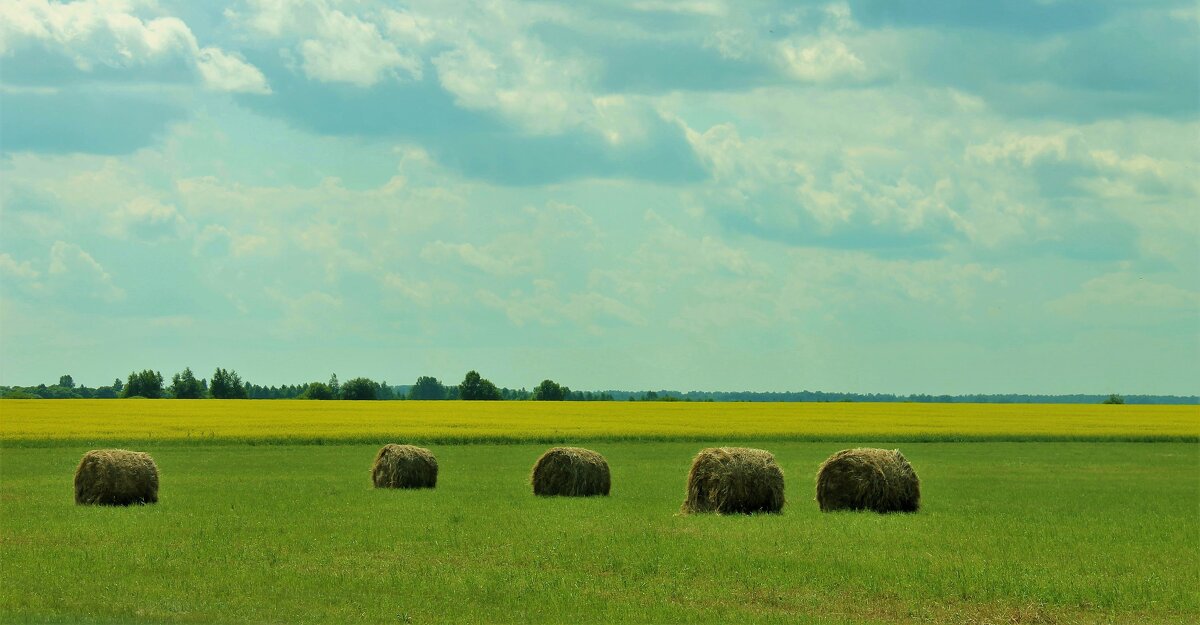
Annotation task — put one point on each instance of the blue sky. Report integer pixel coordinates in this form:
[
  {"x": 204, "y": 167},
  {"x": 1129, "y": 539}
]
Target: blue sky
[{"x": 851, "y": 196}]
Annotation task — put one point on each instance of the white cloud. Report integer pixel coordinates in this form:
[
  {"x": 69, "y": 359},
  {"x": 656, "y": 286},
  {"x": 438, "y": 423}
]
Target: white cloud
[
  {"x": 72, "y": 270},
  {"x": 731, "y": 43},
  {"x": 1026, "y": 149},
  {"x": 92, "y": 32},
  {"x": 223, "y": 71},
  {"x": 410, "y": 27},
  {"x": 492, "y": 259},
  {"x": 547, "y": 305},
  {"x": 336, "y": 46},
  {"x": 353, "y": 51},
  {"x": 22, "y": 270},
  {"x": 1127, "y": 298},
  {"x": 521, "y": 80},
  {"x": 145, "y": 218},
  {"x": 312, "y": 313},
  {"x": 711, "y": 8},
  {"x": 824, "y": 60},
  {"x": 775, "y": 187},
  {"x": 96, "y": 34}
]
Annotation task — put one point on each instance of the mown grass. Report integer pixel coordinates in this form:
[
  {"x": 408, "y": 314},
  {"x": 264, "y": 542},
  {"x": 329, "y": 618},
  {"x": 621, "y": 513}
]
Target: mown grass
[
  {"x": 1008, "y": 533},
  {"x": 192, "y": 422}
]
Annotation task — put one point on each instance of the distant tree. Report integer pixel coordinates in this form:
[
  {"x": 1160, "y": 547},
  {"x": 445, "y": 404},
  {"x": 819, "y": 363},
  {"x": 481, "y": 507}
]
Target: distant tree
[
  {"x": 549, "y": 390},
  {"x": 510, "y": 394},
  {"x": 334, "y": 387},
  {"x": 359, "y": 389},
  {"x": 105, "y": 392},
  {"x": 317, "y": 390},
  {"x": 185, "y": 385},
  {"x": 427, "y": 387},
  {"x": 384, "y": 391},
  {"x": 118, "y": 385},
  {"x": 148, "y": 384},
  {"x": 227, "y": 385},
  {"x": 19, "y": 393},
  {"x": 476, "y": 388},
  {"x": 1114, "y": 399},
  {"x": 66, "y": 381}
]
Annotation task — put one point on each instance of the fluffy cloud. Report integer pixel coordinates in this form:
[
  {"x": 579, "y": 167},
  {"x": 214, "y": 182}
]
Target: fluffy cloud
[
  {"x": 522, "y": 82},
  {"x": 224, "y": 71},
  {"x": 824, "y": 60},
  {"x": 75, "y": 273},
  {"x": 21, "y": 270},
  {"x": 107, "y": 39},
  {"x": 1126, "y": 299},
  {"x": 863, "y": 197},
  {"x": 353, "y": 51},
  {"x": 807, "y": 194},
  {"x": 145, "y": 218}
]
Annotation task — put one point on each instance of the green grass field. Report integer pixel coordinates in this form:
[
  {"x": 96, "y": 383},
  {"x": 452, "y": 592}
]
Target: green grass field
[{"x": 1008, "y": 533}]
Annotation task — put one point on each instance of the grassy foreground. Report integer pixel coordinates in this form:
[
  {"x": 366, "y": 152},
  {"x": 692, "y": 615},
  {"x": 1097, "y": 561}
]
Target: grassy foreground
[
  {"x": 33, "y": 422},
  {"x": 1008, "y": 533}
]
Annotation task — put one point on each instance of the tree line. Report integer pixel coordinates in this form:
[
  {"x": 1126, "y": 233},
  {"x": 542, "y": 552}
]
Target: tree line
[{"x": 227, "y": 384}]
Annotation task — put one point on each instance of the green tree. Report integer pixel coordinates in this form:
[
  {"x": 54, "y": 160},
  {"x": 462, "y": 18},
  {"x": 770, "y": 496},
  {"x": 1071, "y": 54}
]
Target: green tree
[
  {"x": 334, "y": 387},
  {"x": 118, "y": 385},
  {"x": 549, "y": 390},
  {"x": 385, "y": 391},
  {"x": 227, "y": 385},
  {"x": 66, "y": 381},
  {"x": 427, "y": 387},
  {"x": 476, "y": 388},
  {"x": 317, "y": 390},
  {"x": 359, "y": 389},
  {"x": 105, "y": 392},
  {"x": 185, "y": 385},
  {"x": 148, "y": 384},
  {"x": 1114, "y": 399}
]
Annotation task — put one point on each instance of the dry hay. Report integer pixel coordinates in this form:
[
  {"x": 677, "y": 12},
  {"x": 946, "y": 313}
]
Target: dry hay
[
  {"x": 571, "y": 472},
  {"x": 730, "y": 480},
  {"x": 404, "y": 466},
  {"x": 116, "y": 477},
  {"x": 868, "y": 479}
]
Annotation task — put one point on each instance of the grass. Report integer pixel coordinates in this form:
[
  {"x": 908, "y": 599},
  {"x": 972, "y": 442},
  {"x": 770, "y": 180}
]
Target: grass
[
  {"x": 191, "y": 422},
  {"x": 1008, "y": 533}
]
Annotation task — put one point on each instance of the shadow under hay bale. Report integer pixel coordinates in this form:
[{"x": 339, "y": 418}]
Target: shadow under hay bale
[
  {"x": 734, "y": 480},
  {"x": 868, "y": 479},
  {"x": 571, "y": 472},
  {"x": 116, "y": 477},
  {"x": 404, "y": 466}
]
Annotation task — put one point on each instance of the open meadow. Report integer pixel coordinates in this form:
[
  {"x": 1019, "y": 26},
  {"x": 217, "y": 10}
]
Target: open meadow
[{"x": 1091, "y": 514}]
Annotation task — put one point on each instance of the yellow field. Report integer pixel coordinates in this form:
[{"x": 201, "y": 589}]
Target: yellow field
[{"x": 116, "y": 420}]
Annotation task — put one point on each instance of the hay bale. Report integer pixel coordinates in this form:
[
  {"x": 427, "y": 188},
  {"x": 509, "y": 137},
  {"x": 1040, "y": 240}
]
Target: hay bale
[
  {"x": 868, "y": 479},
  {"x": 730, "y": 480},
  {"x": 571, "y": 472},
  {"x": 116, "y": 477},
  {"x": 404, "y": 466}
]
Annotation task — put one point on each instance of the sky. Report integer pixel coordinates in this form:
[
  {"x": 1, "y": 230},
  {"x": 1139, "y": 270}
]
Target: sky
[{"x": 949, "y": 197}]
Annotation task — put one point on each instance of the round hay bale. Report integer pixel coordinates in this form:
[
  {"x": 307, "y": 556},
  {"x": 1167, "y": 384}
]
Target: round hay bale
[
  {"x": 404, "y": 466},
  {"x": 868, "y": 479},
  {"x": 571, "y": 472},
  {"x": 116, "y": 477},
  {"x": 731, "y": 480}
]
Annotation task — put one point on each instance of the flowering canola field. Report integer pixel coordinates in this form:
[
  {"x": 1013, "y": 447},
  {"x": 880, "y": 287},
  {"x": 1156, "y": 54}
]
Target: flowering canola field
[{"x": 34, "y": 421}]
